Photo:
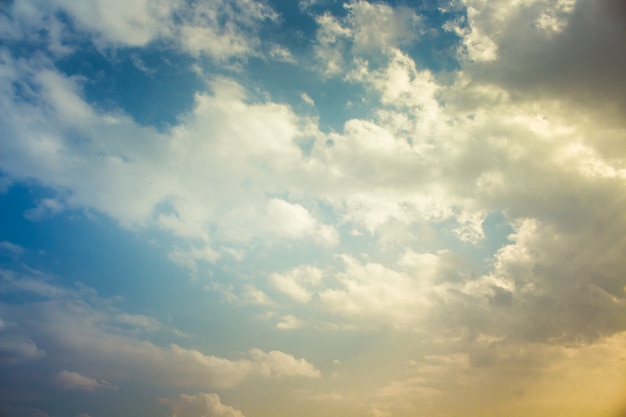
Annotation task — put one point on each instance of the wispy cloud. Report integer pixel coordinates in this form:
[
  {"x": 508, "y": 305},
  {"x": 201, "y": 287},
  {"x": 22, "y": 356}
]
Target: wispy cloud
[
  {"x": 88, "y": 332},
  {"x": 75, "y": 381}
]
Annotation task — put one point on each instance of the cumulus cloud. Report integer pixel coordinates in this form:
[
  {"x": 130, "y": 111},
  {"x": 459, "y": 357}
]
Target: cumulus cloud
[
  {"x": 368, "y": 28},
  {"x": 298, "y": 283},
  {"x": 378, "y": 26},
  {"x": 221, "y": 30},
  {"x": 552, "y": 48},
  {"x": 372, "y": 295},
  {"x": 289, "y": 322},
  {"x": 528, "y": 127},
  {"x": 579, "y": 300},
  {"x": 434, "y": 156},
  {"x": 189, "y": 208},
  {"x": 108, "y": 24},
  {"x": 224, "y": 29},
  {"x": 330, "y": 46},
  {"x": 199, "y": 405},
  {"x": 295, "y": 221},
  {"x": 227, "y": 373},
  {"x": 280, "y": 364}
]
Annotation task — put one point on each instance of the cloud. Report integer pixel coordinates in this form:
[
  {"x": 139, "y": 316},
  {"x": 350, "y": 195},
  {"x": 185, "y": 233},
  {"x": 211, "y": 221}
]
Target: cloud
[
  {"x": 295, "y": 221},
  {"x": 199, "y": 405},
  {"x": 133, "y": 23},
  {"x": 279, "y": 364},
  {"x": 527, "y": 128},
  {"x": 75, "y": 381},
  {"x": 220, "y": 30},
  {"x": 191, "y": 257},
  {"x": 476, "y": 46},
  {"x": 373, "y": 295},
  {"x": 35, "y": 283},
  {"x": 368, "y": 28},
  {"x": 225, "y": 373},
  {"x": 510, "y": 377},
  {"x": 188, "y": 209},
  {"x": 46, "y": 207},
  {"x": 307, "y": 99},
  {"x": 280, "y": 53},
  {"x": 223, "y": 29},
  {"x": 5, "y": 184},
  {"x": 401, "y": 85},
  {"x": 561, "y": 49},
  {"x": 578, "y": 299},
  {"x": 330, "y": 46},
  {"x": 432, "y": 158},
  {"x": 298, "y": 283},
  {"x": 17, "y": 349},
  {"x": 242, "y": 295},
  {"x": 86, "y": 332},
  {"x": 138, "y": 321},
  {"x": 12, "y": 248},
  {"x": 379, "y": 27},
  {"x": 289, "y": 322}
]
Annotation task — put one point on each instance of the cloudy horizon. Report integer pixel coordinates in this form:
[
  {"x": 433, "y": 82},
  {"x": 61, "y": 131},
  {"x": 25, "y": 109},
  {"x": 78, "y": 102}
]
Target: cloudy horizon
[{"x": 261, "y": 208}]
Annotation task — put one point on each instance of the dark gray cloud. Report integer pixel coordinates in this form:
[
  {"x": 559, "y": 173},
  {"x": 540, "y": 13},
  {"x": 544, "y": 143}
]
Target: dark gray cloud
[{"x": 584, "y": 61}]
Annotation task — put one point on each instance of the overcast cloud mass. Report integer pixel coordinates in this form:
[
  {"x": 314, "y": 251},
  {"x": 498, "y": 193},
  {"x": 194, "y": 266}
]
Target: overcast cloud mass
[{"x": 229, "y": 208}]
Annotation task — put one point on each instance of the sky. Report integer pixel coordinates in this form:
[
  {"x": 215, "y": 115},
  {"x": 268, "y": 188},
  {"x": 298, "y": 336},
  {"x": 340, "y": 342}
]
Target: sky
[{"x": 273, "y": 208}]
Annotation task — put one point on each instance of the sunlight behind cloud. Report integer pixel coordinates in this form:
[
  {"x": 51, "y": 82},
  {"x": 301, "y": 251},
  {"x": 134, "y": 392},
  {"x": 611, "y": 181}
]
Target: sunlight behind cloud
[{"x": 354, "y": 208}]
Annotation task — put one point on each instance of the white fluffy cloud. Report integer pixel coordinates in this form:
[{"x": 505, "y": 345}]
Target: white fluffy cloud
[
  {"x": 200, "y": 171},
  {"x": 216, "y": 188},
  {"x": 368, "y": 28},
  {"x": 378, "y": 26},
  {"x": 221, "y": 30},
  {"x": 330, "y": 46},
  {"x": 279, "y": 364},
  {"x": 434, "y": 156},
  {"x": 289, "y": 322},
  {"x": 295, "y": 221},
  {"x": 298, "y": 283},
  {"x": 373, "y": 295},
  {"x": 225, "y": 29}
]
